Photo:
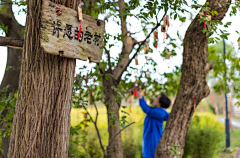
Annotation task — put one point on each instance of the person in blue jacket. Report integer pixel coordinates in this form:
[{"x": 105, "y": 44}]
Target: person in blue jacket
[{"x": 153, "y": 123}]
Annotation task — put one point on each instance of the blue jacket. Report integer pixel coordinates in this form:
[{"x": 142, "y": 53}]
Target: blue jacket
[{"x": 153, "y": 128}]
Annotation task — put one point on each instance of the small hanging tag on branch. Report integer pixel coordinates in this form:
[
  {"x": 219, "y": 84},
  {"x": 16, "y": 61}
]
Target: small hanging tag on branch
[
  {"x": 168, "y": 54},
  {"x": 146, "y": 49},
  {"x": 163, "y": 28},
  {"x": 164, "y": 21},
  {"x": 206, "y": 17},
  {"x": 129, "y": 38},
  {"x": 155, "y": 35},
  {"x": 155, "y": 38},
  {"x": 80, "y": 15},
  {"x": 136, "y": 61}
]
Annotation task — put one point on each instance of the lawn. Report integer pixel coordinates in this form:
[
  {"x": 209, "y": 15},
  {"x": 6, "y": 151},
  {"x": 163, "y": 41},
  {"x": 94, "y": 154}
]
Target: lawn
[{"x": 235, "y": 144}]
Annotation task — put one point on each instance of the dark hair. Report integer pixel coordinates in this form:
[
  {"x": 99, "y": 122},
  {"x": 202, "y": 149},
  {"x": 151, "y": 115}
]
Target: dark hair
[{"x": 164, "y": 101}]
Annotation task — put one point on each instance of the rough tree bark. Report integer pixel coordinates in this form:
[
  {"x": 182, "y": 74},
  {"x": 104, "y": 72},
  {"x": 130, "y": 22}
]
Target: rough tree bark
[
  {"x": 42, "y": 115},
  {"x": 114, "y": 149},
  {"x": 11, "y": 75},
  {"x": 193, "y": 83}
]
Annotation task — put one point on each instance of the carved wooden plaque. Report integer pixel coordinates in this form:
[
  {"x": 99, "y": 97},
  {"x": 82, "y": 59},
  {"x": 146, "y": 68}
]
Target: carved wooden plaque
[{"x": 59, "y": 33}]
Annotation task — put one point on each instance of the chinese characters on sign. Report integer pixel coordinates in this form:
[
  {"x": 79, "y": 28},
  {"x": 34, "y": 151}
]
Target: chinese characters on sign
[
  {"x": 69, "y": 31},
  {"x": 59, "y": 33}
]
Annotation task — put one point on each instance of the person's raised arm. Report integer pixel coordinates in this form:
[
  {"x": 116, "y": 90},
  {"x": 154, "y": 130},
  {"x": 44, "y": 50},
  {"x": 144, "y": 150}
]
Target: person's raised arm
[{"x": 152, "y": 112}]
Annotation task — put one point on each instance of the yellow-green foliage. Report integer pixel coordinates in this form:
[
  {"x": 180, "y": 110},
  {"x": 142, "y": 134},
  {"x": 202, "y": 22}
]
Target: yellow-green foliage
[
  {"x": 132, "y": 134},
  {"x": 205, "y": 136}
]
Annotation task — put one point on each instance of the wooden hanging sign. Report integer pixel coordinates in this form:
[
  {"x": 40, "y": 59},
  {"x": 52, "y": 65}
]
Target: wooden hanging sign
[{"x": 59, "y": 33}]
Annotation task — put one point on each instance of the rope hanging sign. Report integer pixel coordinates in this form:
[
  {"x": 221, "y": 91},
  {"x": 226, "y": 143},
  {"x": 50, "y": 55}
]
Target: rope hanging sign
[{"x": 60, "y": 33}]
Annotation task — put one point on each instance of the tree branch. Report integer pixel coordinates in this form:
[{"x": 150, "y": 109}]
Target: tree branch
[
  {"x": 126, "y": 48},
  {"x": 95, "y": 122},
  {"x": 119, "y": 133},
  {"x": 11, "y": 42},
  {"x": 126, "y": 63},
  {"x": 109, "y": 59},
  {"x": 9, "y": 4},
  {"x": 9, "y": 20}
]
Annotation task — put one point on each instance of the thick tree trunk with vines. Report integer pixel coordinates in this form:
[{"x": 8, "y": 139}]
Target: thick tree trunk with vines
[
  {"x": 42, "y": 115},
  {"x": 12, "y": 70},
  {"x": 193, "y": 83},
  {"x": 114, "y": 149}
]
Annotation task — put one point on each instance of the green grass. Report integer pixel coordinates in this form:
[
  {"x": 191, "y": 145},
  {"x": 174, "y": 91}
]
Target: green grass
[{"x": 235, "y": 144}]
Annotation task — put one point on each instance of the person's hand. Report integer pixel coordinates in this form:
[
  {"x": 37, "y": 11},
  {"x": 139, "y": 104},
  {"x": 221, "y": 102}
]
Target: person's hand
[{"x": 139, "y": 94}]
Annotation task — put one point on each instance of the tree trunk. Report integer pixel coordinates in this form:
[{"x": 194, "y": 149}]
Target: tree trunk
[
  {"x": 193, "y": 83},
  {"x": 41, "y": 122},
  {"x": 10, "y": 78},
  {"x": 216, "y": 108},
  {"x": 114, "y": 149},
  {"x": 14, "y": 56}
]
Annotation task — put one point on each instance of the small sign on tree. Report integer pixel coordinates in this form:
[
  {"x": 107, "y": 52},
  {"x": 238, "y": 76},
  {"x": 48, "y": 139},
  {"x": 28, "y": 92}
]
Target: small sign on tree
[{"x": 59, "y": 33}]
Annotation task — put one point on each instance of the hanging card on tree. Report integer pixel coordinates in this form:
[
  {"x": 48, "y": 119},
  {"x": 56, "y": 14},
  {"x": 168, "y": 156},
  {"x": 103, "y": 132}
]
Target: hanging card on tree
[
  {"x": 146, "y": 49},
  {"x": 168, "y": 55},
  {"x": 59, "y": 33},
  {"x": 164, "y": 21},
  {"x": 136, "y": 61},
  {"x": 80, "y": 15},
  {"x": 155, "y": 35},
  {"x": 163, "y": 28},
  {"x": 129, "y": 38}
]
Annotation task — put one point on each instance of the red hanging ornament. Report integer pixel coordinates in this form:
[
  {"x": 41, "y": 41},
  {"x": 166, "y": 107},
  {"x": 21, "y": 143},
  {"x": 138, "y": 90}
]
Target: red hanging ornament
[
  {"x": 194, "y": 105},
  {"x": 135, "y": 93},
  {"x": 166, "y": 36},
  {"x": 59, "y": 12}
]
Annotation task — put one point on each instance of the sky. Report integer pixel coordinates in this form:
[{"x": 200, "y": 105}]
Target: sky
[{"x": 163, "y": 64}]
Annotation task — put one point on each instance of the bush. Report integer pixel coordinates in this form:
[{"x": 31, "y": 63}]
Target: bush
[
  {"x": 132, "y": 142},
  {"x": 204, "y": 137}
]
